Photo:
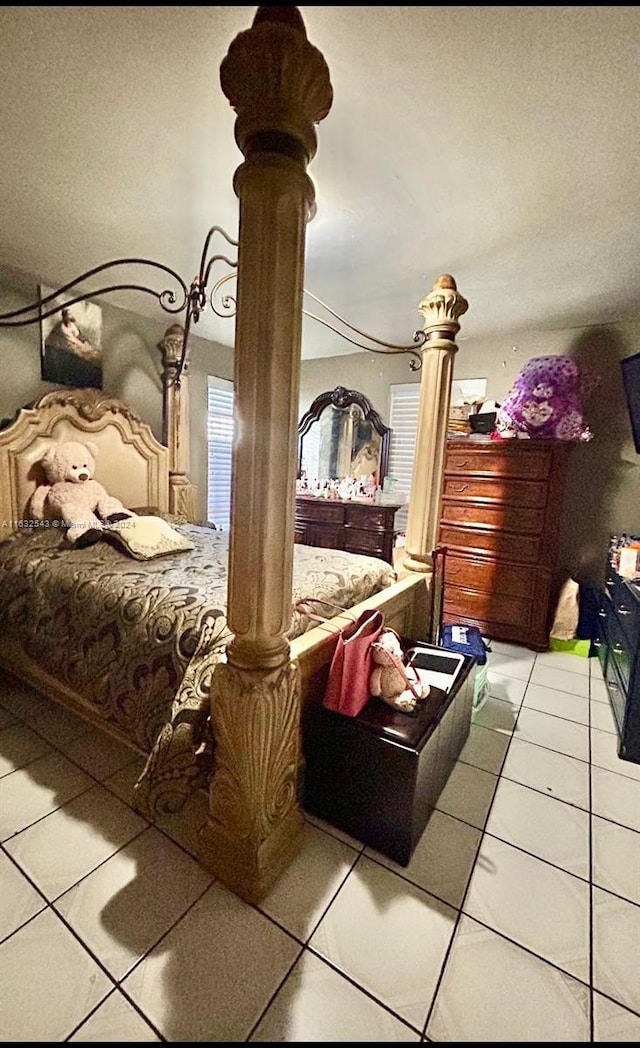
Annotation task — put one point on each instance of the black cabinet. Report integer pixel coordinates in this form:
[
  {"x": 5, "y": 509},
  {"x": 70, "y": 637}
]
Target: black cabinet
[
  {"x": 378, "y": 776},
  {"x": 618, "y": 646}
]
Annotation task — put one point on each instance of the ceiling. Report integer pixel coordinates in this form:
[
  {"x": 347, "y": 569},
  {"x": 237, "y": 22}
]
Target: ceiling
[{"x": 499, "y": 144}]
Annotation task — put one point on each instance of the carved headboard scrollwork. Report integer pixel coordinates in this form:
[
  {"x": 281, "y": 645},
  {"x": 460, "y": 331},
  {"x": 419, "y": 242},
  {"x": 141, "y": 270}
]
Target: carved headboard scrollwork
[{"x": 131, "y": 464}]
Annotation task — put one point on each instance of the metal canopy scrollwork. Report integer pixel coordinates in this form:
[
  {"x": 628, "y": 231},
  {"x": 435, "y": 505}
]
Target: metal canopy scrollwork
[
  {"x": 228, "y": 308},
  {"x": 419, "y": 337},
  {"x": 193, "y": 300},
  {"x": 198, "y": 296},
  {"x": 47, "y": 306}
]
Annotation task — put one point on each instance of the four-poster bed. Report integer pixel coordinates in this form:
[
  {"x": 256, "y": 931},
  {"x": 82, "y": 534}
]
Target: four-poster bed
[
  {"x": 132, "y": 643},
  {"x": 263, "y": 676}
]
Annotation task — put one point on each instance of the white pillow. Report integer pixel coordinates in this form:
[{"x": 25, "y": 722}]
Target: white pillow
[{"x": 146, "y": 537}]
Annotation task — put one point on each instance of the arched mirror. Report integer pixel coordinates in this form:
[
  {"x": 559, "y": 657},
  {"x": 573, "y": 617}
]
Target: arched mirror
[{"x": 341, "y": 436}]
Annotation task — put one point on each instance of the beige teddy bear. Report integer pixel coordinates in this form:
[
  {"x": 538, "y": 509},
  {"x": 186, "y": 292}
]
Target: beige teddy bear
[
  {"x": 73, "y": 496},
  {"x": 391, "y": 680}
]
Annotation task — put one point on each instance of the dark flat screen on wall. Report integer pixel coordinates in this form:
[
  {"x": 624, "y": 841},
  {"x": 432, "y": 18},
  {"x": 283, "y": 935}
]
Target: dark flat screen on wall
[{"x": 631, "y": 382}]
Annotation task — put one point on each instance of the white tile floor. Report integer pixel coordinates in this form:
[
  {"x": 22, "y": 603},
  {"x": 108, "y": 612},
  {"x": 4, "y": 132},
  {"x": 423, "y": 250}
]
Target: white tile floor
[{"x": 518, "y": 918}]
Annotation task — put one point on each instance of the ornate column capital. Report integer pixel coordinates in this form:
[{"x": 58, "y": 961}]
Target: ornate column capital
[
  {"x": 175, "y": 424},
  {"x": 278, "y": 83},
  {"x": 441, "y": 308},
  {"x": 170, "y": 346}
]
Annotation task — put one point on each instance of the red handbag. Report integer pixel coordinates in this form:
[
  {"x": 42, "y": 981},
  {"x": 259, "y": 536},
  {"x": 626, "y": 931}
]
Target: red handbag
[{"x": 348, "y": 686}]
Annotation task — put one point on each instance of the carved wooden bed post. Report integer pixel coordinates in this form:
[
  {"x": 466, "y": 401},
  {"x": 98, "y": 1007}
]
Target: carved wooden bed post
[
  {"x": 182, "y": 493},
  {"x": 441, "y": 309},
  {"x": 279, "y": 86}
]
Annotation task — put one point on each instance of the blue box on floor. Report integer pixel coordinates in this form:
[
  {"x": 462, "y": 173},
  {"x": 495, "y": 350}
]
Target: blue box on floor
[
  {"x": 469, "y": 641},
  {"x": 466, "y": 639}
]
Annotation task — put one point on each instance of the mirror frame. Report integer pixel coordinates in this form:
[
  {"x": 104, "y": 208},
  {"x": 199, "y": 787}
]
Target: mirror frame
[{"x": 344, "y": 398}]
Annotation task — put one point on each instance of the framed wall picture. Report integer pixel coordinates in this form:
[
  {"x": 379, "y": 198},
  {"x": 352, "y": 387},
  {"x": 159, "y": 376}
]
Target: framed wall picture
[{"x": 71, "y": 344}]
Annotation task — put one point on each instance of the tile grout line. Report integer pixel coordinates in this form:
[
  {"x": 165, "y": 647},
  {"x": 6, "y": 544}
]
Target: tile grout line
[
  {"x": 456, "y": 925},
  {"x": 56, "y": 748},
  {"x": 112, "y": 993},
  {"x": 591, "y": 936},
  {"x": 499, "y": 777},
  {"x": 50, "y": 904}
]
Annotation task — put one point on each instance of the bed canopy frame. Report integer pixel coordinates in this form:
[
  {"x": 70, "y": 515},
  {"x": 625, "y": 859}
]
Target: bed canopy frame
[{"x": 278, "y": 84}]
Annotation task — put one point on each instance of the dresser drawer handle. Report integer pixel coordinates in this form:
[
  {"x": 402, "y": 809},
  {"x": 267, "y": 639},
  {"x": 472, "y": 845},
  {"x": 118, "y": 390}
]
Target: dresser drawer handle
[
  {"x": 618, "y": 649},
  {"x": 602, "y": 614},
  {"x": 461, "y": 463},
  {"x": 612, "y": 684},
  {"x": 459, "y": 487},
  {"x": 609, "y": 584},
  {"x": 623, "y": 611}
]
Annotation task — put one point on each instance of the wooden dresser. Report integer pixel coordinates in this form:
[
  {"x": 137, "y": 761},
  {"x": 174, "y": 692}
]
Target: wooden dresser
[
  {"x": 359, "y": 527},
  {"x": 501, "y": 509}
]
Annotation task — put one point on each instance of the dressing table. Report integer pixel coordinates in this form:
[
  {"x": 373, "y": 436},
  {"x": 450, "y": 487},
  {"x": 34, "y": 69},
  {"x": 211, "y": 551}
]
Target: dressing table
[
  {"x": 341, "y": 436},
  {"x": 359, "y": 527}
]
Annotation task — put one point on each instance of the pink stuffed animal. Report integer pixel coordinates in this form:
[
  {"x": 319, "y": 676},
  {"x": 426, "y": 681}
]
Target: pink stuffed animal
[
  {"x": 390, "y": 680},
  {"x": 73, "y": 496}
]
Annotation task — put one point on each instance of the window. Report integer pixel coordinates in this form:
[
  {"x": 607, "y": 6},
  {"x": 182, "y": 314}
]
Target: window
[
  {"x": 404, "y": 408},
  {"x": 220, "y": 428},
  {"x": 403, "y": 422}
]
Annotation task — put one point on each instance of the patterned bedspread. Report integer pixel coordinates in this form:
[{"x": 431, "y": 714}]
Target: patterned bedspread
[{"x": 138, "y": 640}]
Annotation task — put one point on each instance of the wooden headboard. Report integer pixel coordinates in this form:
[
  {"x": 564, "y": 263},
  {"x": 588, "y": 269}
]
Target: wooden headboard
[{"x": 131, "y": 464}]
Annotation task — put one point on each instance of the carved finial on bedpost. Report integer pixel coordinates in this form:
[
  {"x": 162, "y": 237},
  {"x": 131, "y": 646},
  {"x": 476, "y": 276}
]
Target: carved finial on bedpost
[
  {"x": 441, "y": 308},
  {"x": 175, "y": 424},
  {"x": 279, "y": 86},
  {"x": 277, "y": 82}
]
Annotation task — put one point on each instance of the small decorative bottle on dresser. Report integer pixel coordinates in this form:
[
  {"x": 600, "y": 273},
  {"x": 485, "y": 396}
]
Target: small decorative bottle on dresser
[{"x": 618, "y": 647}]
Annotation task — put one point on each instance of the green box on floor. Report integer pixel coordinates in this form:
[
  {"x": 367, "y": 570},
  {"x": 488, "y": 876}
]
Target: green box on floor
[{"x": 572, "y": 646}]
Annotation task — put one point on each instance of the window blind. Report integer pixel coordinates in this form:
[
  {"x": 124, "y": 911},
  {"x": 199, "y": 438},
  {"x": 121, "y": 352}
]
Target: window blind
[
  {"x": 220, "y": 432},
  {"x": 404, "y": 404}
]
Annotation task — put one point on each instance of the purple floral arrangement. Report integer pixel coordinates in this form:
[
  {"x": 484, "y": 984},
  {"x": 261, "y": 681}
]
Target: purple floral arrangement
[{"x": 546, "y": 401}]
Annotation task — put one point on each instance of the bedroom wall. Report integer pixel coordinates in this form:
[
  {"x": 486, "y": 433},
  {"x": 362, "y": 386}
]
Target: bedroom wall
[
  {"x": 132, "y": 367},
  {"x": 603, "y": 487},
  {"x": 602, "y": 494}
]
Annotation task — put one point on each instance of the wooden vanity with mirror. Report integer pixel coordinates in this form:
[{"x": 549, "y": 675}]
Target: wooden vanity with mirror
[{"x": 344, "y": 444}]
